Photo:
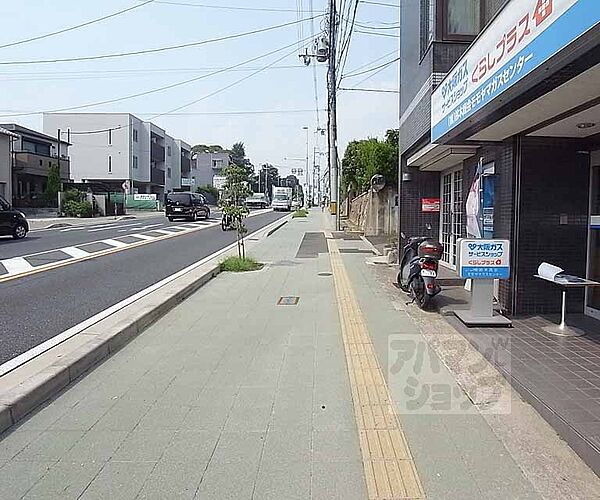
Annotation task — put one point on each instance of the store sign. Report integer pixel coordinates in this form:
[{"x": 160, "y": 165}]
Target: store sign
[
  {"x": 187, "y": 182},
  {"x": 219, "y": 182},
  {"x": 144, "y": 197},
  {"x": 430, "y": 204},
  {"x": 484, "y": 259},
  {"x": 522, "y": 37}
]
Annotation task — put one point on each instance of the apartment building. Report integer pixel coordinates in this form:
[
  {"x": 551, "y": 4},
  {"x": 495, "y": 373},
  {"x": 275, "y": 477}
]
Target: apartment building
[
  {"x": 6, "y": 146},
  {"x": 111, "y": 148},
  {"x": 33, "y": 153},
  {"x": 207, "y": 165},
  {"x": 183, "y": 157}
]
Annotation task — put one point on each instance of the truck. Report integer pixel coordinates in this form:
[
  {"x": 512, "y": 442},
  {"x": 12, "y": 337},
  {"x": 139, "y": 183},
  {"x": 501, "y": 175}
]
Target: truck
[{"x": 282, "y": 198}]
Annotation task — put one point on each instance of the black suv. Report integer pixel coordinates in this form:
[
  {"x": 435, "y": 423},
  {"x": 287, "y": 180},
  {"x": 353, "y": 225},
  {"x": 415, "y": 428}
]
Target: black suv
[
  {"x": 12, "y": 222},
  {"x": 186, "y": 206}
]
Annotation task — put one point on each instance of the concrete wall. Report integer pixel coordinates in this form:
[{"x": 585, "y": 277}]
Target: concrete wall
[
  {"x": 375, "y": 213},
  {"x": 5, "y": 168}
]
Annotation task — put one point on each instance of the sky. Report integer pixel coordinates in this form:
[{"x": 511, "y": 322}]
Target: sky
[{"x": 284, "y": 93}]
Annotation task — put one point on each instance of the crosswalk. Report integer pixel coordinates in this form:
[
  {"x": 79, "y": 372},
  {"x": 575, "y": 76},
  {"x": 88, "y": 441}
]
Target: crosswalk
[{"x": 17, "y": 266}]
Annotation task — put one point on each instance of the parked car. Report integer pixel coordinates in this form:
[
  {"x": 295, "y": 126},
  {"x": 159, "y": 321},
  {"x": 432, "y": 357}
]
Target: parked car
[
  {"x": 186, "y": 206},
  {"x": 12, "y": 222},
  {"x": 257, "y": 200}
]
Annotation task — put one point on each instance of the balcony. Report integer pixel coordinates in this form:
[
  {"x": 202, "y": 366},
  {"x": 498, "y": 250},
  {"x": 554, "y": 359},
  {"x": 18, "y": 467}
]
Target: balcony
[
  {"x": 35, "y": 164},
  {"x": 157, "y": 176},
  {"x": 186, "y": 165},
  {"x": 157, "y": 152}
]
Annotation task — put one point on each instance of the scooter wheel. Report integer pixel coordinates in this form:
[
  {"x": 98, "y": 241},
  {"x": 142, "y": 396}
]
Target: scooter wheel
[
  {"x": 402, "y": 286},
  {"x": 418, "y": 292}
]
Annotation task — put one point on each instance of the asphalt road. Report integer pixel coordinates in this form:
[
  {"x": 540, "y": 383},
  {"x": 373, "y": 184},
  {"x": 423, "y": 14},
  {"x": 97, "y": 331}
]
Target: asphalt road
[
  {"x": 49, "y": 239},
  {"x": 36, "y": 308}
]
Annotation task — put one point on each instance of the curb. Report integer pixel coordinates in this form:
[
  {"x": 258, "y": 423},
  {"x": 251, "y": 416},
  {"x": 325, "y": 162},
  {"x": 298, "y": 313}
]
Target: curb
[
  {"x": 30, "y": 385},
  {"x": 102, "y": 340}
]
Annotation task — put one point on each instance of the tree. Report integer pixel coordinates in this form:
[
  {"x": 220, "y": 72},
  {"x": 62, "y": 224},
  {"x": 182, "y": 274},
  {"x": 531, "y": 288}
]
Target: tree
[
  {"x": 368, "y": 157},
  {"x": 238, "y": 154},
  {"x": 268, "y": 176},
  {"x": 203, "y": 148},
  {"x": 53, "y": 183},
  {"x": 235, "y": 191}
]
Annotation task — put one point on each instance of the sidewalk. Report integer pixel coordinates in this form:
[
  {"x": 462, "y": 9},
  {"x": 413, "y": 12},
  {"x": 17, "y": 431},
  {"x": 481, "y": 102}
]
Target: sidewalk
[{"x": 231, "y": 395}]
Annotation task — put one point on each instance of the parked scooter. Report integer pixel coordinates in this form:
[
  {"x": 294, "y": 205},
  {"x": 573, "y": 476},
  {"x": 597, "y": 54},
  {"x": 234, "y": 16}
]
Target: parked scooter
[{"x": 419, "y": 268}]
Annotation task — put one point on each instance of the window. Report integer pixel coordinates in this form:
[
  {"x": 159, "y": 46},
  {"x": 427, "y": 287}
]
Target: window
[
  {"x": 41, "y": 163},
  {"x": 110, "y": 164},
  {"x": 135, "y": 162},
  {"x": 110, "y": 137},
  {"x": 169, "y": 172},
  {"x": 217, "y": 163},
  {"x": 135, "y": 135},
  {"x": 168, "y": 150},
  {"x": 462, "y": 19},
  {"x": 427, "y": 24}
]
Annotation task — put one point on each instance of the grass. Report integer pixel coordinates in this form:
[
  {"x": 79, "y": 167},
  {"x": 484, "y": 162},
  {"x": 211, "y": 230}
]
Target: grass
[
  {"x": 300, "y": 213},
  {"x": 238, "y": 265}
]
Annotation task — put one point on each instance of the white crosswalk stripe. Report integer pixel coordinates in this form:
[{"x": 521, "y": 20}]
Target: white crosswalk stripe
[
  {"x": 115, "y": 243},
  {"x": 75, "y": 252},
  {"x": 16, "y": 265}
]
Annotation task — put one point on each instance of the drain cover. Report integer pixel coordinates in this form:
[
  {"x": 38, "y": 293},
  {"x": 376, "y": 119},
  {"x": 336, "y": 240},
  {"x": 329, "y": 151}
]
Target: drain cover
[
  {"x": 324, "y": 274},
  {"x": 288, "y": 301}
]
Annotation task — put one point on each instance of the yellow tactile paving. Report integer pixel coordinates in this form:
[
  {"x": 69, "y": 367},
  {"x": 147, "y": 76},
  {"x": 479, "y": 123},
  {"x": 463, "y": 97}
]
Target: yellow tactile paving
[{"x": 390, "y": 471}]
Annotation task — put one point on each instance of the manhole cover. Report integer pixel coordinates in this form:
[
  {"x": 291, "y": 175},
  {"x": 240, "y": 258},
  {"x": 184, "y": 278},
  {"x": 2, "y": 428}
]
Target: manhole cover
[
  {"x": 288, "y": 301},
  {"x": 324, "y": 274}
]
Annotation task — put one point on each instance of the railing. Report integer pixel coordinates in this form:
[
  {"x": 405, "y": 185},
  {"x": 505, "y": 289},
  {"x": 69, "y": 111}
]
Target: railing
[
  {"x": 157, "y": 176},
  {"x": 157, "y": 152}
]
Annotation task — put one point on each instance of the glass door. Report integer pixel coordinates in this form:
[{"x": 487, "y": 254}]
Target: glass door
[
  {"x": 593, "y": 293},
  {"x": 451, "y": 215}
]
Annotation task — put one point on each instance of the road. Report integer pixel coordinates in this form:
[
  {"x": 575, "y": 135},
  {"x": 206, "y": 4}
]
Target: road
[{"x": 39, "y": 306}]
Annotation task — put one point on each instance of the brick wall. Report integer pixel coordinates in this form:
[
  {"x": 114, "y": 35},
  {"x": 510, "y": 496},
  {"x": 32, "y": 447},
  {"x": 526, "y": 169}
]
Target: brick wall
[{"x": 554, "y": 181}]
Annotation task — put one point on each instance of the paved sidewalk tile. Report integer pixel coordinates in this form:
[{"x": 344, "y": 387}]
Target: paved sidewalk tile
[{"x": 228, "y": 396}]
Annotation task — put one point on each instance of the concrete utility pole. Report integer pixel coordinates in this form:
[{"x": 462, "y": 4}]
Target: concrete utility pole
[{"x": 332, "y": 115}]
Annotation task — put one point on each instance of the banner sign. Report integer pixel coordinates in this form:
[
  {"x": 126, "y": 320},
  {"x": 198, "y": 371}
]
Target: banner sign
[
  {"x": 523, "y": 36},
  {"x": 144, "y": 197},
  {"x": 187, "y": 181},
  {"x": 219, "y": 182},
  {"x": 430, "y": 204},
  {"x": 484, "y": 259}
]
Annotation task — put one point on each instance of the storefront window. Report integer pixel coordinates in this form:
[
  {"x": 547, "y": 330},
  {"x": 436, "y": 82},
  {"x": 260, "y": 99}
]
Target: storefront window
[
  {"x": 462, "y": 19},
  {"x": 593, "y": 294}
]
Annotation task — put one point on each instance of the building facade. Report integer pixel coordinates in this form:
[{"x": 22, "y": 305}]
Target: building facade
[
  {"x": 517, "y": 108},
  {"x": 7, "y": 139},
  {"x": 183, "y": 156},
  {"x": 33, "y": 154},
  {"x": 205, "y": 166},
  {"x": 110, "y": 149}
]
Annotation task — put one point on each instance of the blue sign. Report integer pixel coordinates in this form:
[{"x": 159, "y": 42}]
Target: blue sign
[
  {"x": 484, "y": 259},
  {"x": 474, "y": 83}
]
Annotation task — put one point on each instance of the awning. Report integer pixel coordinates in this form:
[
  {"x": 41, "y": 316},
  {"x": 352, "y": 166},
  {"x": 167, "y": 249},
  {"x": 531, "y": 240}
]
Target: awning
[{"x": 437, "y": 157}]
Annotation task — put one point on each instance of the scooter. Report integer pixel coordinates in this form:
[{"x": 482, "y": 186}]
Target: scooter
[
  {"x": 226, "y": 222},
  {"x": 419, "y": 268}
]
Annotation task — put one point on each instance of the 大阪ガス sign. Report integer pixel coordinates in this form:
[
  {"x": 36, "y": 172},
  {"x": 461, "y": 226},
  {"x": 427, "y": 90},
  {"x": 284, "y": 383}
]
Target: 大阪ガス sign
[{"x": 484, "y": 259}]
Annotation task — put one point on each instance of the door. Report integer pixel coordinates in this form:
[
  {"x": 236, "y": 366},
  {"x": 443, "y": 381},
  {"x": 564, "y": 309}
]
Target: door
[
  {"x": 451, "y": 215},
  {"x": 593, "y": 294}
]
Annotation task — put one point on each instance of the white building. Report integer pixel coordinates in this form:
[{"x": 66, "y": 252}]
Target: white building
[{"x": 111, "y": 148}]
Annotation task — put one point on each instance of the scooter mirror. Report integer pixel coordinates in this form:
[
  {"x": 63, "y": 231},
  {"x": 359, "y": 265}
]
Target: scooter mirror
[
  {"x": 428, "y": 226},
  {"x": 403, "y": 235}
]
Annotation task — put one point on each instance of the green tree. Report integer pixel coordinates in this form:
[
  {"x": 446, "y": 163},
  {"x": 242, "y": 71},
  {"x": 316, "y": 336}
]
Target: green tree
[
  {"x": 238, "y": 154},
  {"x": 235, "y": 190},
  {"x": 203, "y": 148},
  {"x": 268, "y": 176},
  {"x": 53, "y": 183},
  {"x": 368, "y": 157}
]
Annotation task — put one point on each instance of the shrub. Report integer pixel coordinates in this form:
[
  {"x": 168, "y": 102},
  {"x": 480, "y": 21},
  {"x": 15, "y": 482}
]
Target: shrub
[
  {"x": 73, "y": 208},
  {"x": 240, "y": 265},
  {"x": 300, "y": 213}
]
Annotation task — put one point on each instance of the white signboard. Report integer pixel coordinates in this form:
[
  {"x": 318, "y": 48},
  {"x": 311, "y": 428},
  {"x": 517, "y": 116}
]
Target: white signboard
[
  {"x": 188, "y": 182},
  {"x": 521, "y": 38},
  {"x": 484, "y": 259},
  {"x": 144, "y": 197},
  {"x": 219, "y": 182}
]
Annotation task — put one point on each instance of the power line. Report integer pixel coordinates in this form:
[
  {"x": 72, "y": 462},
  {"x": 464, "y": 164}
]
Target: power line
[
  {"x": 207, "y": 96},
  {"x": 314, "y": 66},
  {"x": 376, "y": 34},
  {"x": 151, "y": 51},
  {"x": 384, "y": 65},
  {"x": 395, "y": 51},
  {"x": 346, "y": 46},
  {"x": 226, "y": 7},
  {"x": 371, "y": 27},
  {"x": 153, "y": 91},
  {"x": 77, "y": 26},
  {"x": 380, "y": 3},
  {"x": 220, "y": 113},
  {"x": 384, "y": 91},
  {"x": 376, "y": 72}
]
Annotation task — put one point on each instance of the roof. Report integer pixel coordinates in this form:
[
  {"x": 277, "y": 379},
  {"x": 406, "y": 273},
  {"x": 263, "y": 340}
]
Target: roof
[
  {"x": 24, "y": 131},
  {"x": 3, "y": 131}
]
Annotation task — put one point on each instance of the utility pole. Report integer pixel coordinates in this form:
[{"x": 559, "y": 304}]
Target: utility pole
[{"x": 332, "y": 116}]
